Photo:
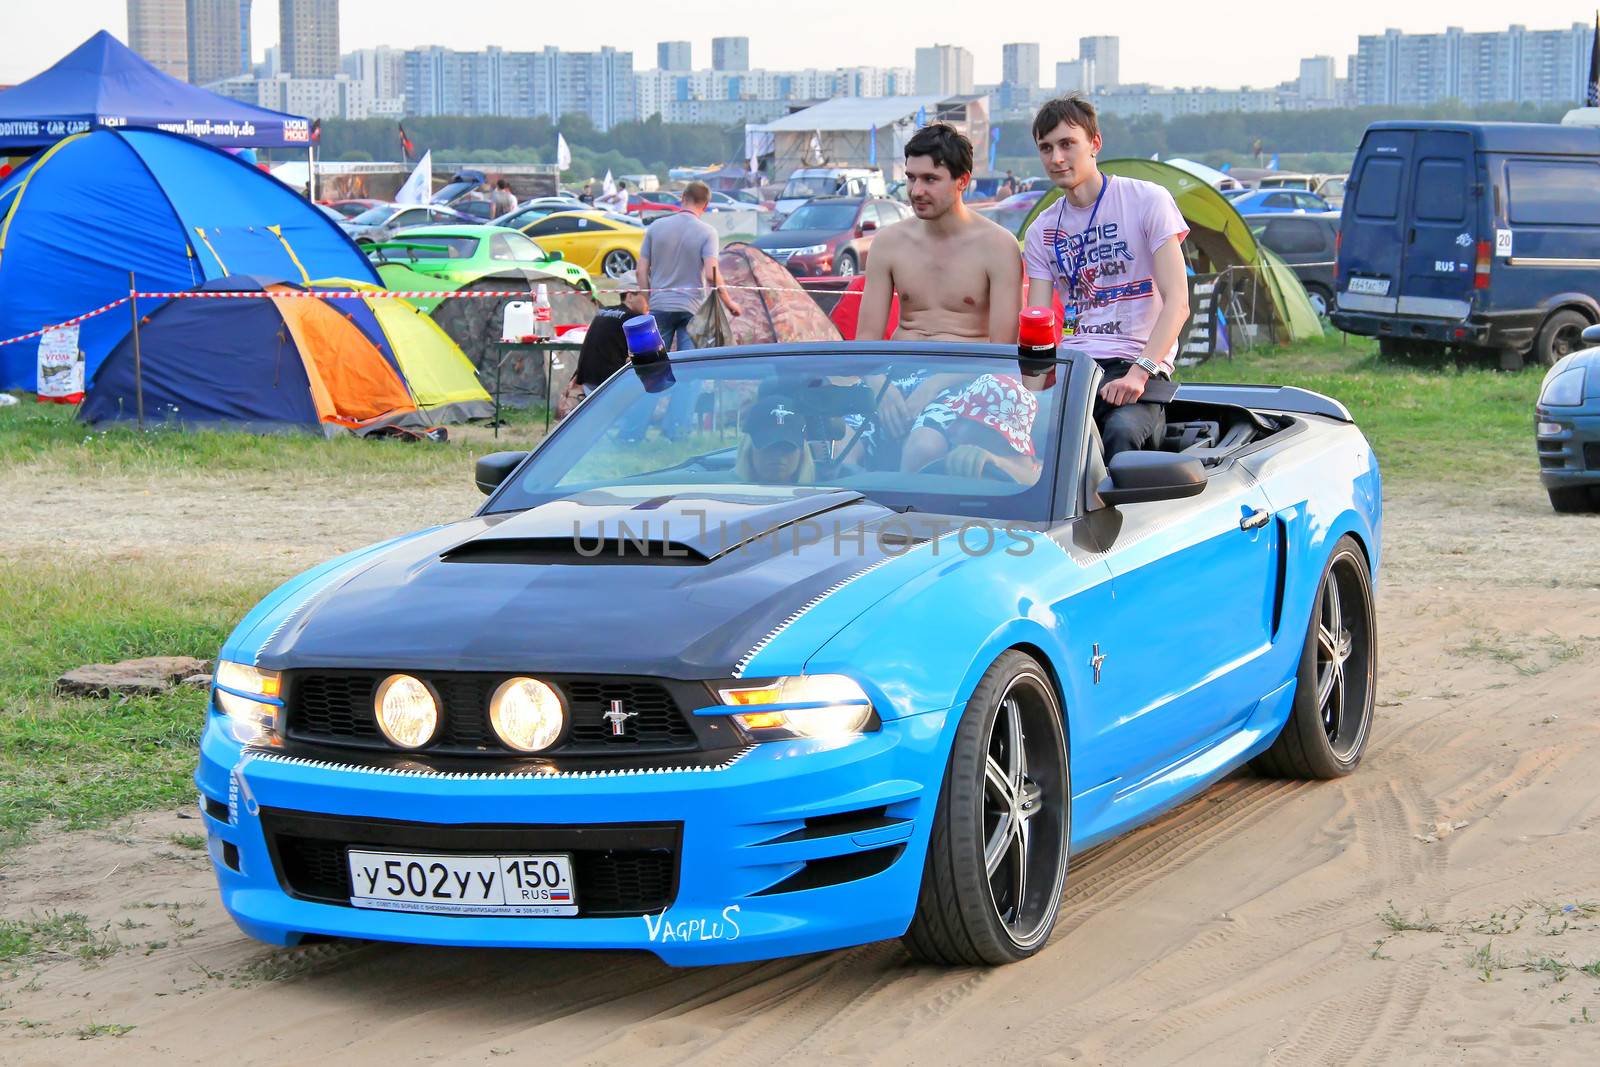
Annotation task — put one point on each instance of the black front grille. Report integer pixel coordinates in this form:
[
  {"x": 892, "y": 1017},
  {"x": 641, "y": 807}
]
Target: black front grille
[
  {"x": 1591, "y": 455},
  {"x": 637, "y": 876},
  {"x": 335, "y": 708}
]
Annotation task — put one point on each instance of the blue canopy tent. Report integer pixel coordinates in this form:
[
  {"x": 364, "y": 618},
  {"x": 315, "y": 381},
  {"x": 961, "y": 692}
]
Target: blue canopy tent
[
  {"x": 104, "y": 83},
  {"x": 83, "y": 214}
]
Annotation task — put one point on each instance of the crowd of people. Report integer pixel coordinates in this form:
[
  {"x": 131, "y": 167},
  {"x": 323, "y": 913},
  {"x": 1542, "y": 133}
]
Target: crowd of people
[{"x": 1108, "y": 254}]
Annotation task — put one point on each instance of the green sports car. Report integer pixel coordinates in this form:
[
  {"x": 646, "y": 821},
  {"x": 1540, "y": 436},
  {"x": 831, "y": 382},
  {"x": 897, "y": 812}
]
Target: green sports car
[{"x": 449, "y": 257}]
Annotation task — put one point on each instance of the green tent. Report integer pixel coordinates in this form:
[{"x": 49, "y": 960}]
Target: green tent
[{"x": 1219, "y": 241}]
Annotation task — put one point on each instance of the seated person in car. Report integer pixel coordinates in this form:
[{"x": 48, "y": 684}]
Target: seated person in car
[
  {"x": 773, "y": 449},
  {"x": 986, "y": 426}
]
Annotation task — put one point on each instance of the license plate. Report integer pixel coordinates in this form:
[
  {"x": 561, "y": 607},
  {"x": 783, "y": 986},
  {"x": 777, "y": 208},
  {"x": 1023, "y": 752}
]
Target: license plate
[
  {"x": 463, "y": 885},
  {"x": 1370, "y": 286}
]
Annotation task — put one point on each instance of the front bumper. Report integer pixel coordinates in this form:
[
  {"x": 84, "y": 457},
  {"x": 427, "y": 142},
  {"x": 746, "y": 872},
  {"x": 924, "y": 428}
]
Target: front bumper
[
  {"x": 753, "y": 879},
  {"x": 1570, "y": 456}
]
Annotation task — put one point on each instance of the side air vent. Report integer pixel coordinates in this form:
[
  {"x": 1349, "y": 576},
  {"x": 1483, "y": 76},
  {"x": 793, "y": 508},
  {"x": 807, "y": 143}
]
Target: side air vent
[
  {"x": 576, "y": 551},
  {"x": 843, "y": 824},
  {"x": 836, "y": 870}
]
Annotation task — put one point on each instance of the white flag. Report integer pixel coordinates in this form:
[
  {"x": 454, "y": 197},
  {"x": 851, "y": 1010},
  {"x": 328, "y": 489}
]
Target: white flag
[
  {"x": 563, "y": 153},
  {"x": 608, "y": 187},
  {"x": 419, "y": 187}
]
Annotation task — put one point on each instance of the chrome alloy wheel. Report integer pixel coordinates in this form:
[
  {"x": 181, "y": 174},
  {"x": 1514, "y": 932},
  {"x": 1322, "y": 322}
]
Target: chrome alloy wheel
[
  {"x": 1024, "y": 818},
  {"x": 1344, "y": 660}
]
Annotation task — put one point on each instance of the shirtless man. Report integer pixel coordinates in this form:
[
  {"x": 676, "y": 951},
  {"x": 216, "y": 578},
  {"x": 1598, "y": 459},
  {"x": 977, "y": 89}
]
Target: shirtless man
[{"x": 959, "y": 275}]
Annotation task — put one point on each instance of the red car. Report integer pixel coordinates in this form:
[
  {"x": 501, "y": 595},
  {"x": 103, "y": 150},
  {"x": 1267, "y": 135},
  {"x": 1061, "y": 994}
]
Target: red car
[
  {"x": 655, "y": 205},
  {"x": 830, "y": 235}
]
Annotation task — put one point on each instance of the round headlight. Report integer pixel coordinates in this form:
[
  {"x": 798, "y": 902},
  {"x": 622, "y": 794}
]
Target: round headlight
[
  {"x": 526, "y": 714},
  {"x": 407, "y": 712}
]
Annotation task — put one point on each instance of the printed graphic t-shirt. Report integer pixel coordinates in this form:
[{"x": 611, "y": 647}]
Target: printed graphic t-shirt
[{"x": 1117, "y": 299}]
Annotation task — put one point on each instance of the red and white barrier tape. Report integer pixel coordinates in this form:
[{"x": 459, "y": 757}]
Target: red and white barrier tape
[{"x": 330, "y": 294}]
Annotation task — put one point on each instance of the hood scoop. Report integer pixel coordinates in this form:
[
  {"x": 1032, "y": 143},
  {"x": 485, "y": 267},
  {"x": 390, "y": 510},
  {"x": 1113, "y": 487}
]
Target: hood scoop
[{"x": 576, "y": 551}]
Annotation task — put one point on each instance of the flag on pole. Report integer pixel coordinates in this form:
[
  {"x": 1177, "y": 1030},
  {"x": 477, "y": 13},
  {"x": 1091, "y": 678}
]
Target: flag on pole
[
  {"x": 1591, "y": 96},
  {"x": 611, "y": 198},
  {"x": 872, "y": 147},
  {"x": 406, "y": 147},
  {"x": 316, "y": 131},
  {"x": 563, "y": 153},
  {"x": 922, "y": 117},
  {"x": 1272, "y": 164},
  {"x": 994, "y": 144},
  {"x": 419, "y": 187}
]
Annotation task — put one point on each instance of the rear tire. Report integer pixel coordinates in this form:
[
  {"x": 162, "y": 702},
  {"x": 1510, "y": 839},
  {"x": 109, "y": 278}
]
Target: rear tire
[
  {"x": 1321, "y": 300},
  {"x": 1334, "y": 692},
  {"x": 1561, "y": 335},
  {"x": 1576, "y": 500},
  {"x": 997, "y": 856}
]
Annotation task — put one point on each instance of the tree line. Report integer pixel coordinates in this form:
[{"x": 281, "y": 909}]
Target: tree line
[{"x": 1315, "y": 139}]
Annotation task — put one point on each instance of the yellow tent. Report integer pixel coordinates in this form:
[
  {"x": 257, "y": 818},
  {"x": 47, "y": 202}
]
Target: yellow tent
[{"x": 440, "y": 376}]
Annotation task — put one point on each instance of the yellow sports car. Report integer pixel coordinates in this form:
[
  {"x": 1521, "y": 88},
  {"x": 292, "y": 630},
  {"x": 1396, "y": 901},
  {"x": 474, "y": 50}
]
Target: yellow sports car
[{"x": 601, "y": 242}]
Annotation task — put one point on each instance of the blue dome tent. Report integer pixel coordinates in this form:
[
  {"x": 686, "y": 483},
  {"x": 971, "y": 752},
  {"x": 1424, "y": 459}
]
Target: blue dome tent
[{"x": 84, "y": 213}]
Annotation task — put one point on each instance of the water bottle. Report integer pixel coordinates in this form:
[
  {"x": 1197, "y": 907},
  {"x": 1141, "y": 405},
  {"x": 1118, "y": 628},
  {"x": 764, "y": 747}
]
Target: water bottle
[{"x": 543, "y": 324}]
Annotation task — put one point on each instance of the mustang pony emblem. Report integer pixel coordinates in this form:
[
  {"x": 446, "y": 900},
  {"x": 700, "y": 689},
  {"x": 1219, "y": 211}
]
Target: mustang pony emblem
[{"x": 616, "y": 717}]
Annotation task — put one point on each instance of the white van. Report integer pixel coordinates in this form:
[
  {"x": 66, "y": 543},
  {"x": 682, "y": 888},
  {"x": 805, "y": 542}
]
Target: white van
[{"x": 828, "y": 181}]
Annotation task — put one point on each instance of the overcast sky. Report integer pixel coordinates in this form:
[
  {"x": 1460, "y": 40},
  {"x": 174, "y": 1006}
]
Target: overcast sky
[{"x": 1167, "y": 42}]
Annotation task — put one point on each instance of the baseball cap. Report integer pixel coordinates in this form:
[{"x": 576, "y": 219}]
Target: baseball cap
[
  {"x": 627, "y": 281},
  {"x": 775, "y": 419}
]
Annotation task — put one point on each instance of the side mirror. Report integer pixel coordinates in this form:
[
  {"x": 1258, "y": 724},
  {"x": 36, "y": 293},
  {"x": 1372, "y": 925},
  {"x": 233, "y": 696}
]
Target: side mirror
[
  {"x": 553, "y": 255},
  {"x": 868, "y": 225},
  {"x": 493, "y": 469},
  {"x": 1591, "y": 335},
  {"x": 1139, "y": 477}
]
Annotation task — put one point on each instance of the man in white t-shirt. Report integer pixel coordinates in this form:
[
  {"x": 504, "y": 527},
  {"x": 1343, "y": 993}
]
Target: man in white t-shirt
[{"x": 1112, "y": 249}]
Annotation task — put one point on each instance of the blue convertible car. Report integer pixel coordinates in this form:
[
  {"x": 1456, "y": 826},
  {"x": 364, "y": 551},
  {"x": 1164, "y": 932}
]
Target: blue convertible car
[{"x": 869, "y": 651}]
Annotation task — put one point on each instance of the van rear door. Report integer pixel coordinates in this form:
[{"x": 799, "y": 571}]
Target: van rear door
[
  {"x": 1373, "y": 229},
  {"x": 1440, "y": 249}
]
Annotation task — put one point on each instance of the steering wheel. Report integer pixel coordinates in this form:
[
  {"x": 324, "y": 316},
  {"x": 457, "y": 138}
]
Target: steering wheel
[{"x": 992, "y": 472}]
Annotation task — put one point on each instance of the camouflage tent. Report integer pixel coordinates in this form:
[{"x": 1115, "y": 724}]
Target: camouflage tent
[
  {"x": 772, "y": 306},
  {"x": 474, "y": 324}
]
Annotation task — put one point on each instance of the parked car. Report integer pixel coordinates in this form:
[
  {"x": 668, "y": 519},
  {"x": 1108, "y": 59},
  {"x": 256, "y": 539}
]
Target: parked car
[
  {"x": 1479, "y": 235},
  {"x": 598, "y": 241},
  {"x": 1307, "y": 243},
  {"x": 831, "y": 234},
  {"x": 479, "y": 208},
  {"x": 1328, "y": 186},
  {"x": 984, "y": 189},
  {"x": 673, "y": 699},
  {"x": 1013, "y": 211},
  {"x": 537, "y": 208},
  {"x": 1266, "y": 201},
  {"x": 806, "y": 183},
  {"x": 378, "y": 224},
  {"x": 649, "y": 206},
  {"x": 350, "y": 208},
  {"x": 1567, "y": 428},
  {"x": 457, "y": 255}
]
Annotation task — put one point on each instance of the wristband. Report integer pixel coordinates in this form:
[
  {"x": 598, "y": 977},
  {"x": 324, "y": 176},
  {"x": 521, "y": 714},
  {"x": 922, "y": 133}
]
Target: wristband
[{"x": 1149, "y": 366}]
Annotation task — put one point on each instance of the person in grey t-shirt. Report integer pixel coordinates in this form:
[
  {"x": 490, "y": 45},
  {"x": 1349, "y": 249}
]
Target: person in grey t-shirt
[{"x": 677, "y": 265}]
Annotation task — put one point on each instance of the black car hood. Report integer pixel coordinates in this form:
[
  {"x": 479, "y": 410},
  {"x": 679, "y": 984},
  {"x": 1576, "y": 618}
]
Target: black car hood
[
  {"x": 674, "y": 586},
  {"x": 794, "y": 238}
]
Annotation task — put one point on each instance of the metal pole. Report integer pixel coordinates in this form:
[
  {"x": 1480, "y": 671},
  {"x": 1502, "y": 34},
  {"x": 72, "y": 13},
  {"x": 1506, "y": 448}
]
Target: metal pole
[
  {"x": 549, "y": 356},
  {"x": 311, "y": 172},
  {"x": 498, "y": 368},
  {"x": 138, "y": 366}
]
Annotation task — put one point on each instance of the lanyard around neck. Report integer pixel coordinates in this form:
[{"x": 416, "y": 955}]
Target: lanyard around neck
[{"x": 1071, "y": 274}]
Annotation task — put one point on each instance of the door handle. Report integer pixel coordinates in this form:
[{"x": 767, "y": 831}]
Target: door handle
[{"x": 1255, "y": 520}]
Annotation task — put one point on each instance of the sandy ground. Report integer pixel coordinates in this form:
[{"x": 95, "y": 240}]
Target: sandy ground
[{"x": 1246, "y": 927}]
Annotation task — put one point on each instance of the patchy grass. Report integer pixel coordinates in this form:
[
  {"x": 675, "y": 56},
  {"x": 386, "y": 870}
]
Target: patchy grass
[
  {"x": 57, "y": 934},
  {"x": 81, "y": 761},
  {"x": 93, "y": 1030},
  {"x": 1438, "y": 423}
]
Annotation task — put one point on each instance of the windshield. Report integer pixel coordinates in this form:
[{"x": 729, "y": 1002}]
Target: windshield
[
  {"x": 982, "y": 442},
  {"x": 821, "y": 217},
  {"x": 806, "y": 188},
  {"x": 375, "y": 216},
  {"x": 426, "y": 247}
]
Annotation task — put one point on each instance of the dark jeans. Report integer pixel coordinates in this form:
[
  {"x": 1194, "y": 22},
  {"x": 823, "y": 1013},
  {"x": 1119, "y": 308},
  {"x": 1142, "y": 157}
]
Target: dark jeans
[{"x": 1127, "y": 427}]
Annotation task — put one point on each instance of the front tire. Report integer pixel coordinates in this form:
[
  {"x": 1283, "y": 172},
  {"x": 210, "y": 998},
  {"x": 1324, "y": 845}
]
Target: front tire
[
  {"x": 997, "y": 857},
  {"x": 1574, "y": 500},
  {"x": 846, "y": 266},
  {"x": 1335, "y": 691}
]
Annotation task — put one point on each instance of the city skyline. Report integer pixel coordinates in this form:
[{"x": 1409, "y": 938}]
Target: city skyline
[{"x": 1194, "y": 47}]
